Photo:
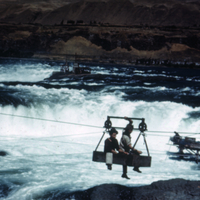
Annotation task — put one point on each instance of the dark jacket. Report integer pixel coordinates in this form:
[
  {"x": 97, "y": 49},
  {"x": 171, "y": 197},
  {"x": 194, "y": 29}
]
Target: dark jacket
[{"x": 111, "y": 144}]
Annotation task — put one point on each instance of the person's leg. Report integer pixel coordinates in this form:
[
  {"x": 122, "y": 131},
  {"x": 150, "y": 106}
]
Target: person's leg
[
  {"x": 124, "y": 175},
  {"x": 109, "y": 166},
  {"x": 136, "y": 167}
]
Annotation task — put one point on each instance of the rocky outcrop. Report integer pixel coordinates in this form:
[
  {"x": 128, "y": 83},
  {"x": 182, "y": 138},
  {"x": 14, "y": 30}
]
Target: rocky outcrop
[
  {"x": 175, "y": 189},
  {"x": 170, "y": 190}
]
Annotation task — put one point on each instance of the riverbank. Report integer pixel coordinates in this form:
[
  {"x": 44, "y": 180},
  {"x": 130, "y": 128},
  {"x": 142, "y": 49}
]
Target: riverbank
[
  {"x": 103, "y": 61},
  {"x": 99, "y": 44}
]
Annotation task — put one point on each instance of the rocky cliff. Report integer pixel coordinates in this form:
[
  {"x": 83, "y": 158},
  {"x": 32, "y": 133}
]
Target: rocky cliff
[{"x": 119, "y": 31}]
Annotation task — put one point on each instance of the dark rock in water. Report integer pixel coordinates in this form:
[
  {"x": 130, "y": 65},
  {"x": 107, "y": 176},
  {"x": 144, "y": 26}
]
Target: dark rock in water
[
  {"x": 113, "y": 191},
  {"x": 171, "y": 189},
  {"x": 4, "y": 190},
  {"x": 174, "y": 189},
  {"x": 3, "y": 153}
]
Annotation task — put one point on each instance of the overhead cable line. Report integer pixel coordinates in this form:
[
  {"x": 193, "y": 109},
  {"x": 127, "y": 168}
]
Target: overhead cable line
[
  {"x": 171, "y": 132},
  {"x": 55, "y": 136},
  {"x": 49, "y": 120},
  {"x": 92, "y": 126},
  {"x": 55, "y": 154},
  {"x": 72, "y": 135}
]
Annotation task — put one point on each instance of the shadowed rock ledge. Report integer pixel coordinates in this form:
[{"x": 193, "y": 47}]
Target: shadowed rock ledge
[{"x": 174, "y": 189}]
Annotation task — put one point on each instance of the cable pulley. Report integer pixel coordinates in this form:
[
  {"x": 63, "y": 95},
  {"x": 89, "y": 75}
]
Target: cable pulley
[
  {"x": 142, "y": 126},
  {"x": 108, "y": 124}
]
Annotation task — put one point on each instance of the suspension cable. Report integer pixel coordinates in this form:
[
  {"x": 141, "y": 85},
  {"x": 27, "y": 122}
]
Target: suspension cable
[
  {"x": 49, "y": 120},
  {"x": 92, "y": 126},
  {"x": 172, "y": 132}
]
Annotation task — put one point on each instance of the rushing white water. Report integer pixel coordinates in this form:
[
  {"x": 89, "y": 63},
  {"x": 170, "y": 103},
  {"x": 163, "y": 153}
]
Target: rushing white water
[{"x": 51, "y": 135}]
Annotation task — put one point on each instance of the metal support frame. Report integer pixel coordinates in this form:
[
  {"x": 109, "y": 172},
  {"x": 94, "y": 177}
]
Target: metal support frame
[
  {"x": 122, "y": 159},
  {"x": 142, "y": 128},
  {"x": 100, "y": 141},
  {"x": 195, "y": 154},
  {"x": 143, "y": 134}
]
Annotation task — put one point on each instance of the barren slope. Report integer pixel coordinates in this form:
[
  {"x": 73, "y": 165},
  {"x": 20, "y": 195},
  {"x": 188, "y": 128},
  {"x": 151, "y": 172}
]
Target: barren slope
[
  {"x": 110, "y": 30},
  {"x": 114, "y": 12}
]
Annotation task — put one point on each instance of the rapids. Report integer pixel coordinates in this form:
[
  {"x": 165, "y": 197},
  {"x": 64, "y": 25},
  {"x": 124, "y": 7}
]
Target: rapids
[{"x": 49, "y": 128}]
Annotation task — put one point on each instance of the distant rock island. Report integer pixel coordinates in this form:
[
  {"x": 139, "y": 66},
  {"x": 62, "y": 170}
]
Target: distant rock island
[{"x": 149, "y": 32}]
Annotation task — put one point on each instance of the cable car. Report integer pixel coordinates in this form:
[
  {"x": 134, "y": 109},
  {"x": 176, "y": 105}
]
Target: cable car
[{"x": 122, "y": 159}]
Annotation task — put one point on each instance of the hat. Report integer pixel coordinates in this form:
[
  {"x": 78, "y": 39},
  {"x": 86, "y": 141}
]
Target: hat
[
  {"x": 129, "y": 127},
  {"x": 113, "y": 130}
]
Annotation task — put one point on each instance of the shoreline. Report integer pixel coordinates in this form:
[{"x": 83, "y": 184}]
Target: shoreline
[{"x": 138, "y": 63}]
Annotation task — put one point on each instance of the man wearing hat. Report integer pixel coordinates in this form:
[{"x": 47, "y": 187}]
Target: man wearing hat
[
  {"x": 125, "y": 146},
  {"x": 111, "y": 144}
]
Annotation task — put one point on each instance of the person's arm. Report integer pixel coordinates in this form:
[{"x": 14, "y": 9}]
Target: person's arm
[
  {"x": 130, "y": 120},
  {"x": 113, "y": 151},
  {"x": 134, "y": 149},
  {"x": 120, "y": 150}
]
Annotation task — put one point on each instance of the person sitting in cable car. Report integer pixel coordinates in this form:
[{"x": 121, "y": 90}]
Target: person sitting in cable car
[
  {"x": 111, "y": 144},
  {"x": 125, "y": 146}
]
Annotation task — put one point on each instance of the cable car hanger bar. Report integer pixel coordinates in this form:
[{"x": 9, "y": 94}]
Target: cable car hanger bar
[
  {"x": 123, "y": 128},
  {"x": 142, "y": 126},
  {"x": 127, "y": 118}
]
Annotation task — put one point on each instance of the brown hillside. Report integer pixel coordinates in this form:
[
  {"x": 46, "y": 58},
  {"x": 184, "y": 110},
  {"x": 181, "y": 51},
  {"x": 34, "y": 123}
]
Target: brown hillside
[
  {"x": 115, "y": 12},
  {"x": 121, "y": 31}
]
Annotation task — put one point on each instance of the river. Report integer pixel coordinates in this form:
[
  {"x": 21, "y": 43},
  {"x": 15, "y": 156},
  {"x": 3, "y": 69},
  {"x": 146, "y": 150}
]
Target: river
[{"x": 50, "y": 127}]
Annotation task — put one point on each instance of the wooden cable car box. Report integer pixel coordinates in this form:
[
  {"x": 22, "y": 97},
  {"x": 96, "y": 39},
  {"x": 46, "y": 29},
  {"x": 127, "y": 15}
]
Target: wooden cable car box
[{"x": 122, "y": 159}]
